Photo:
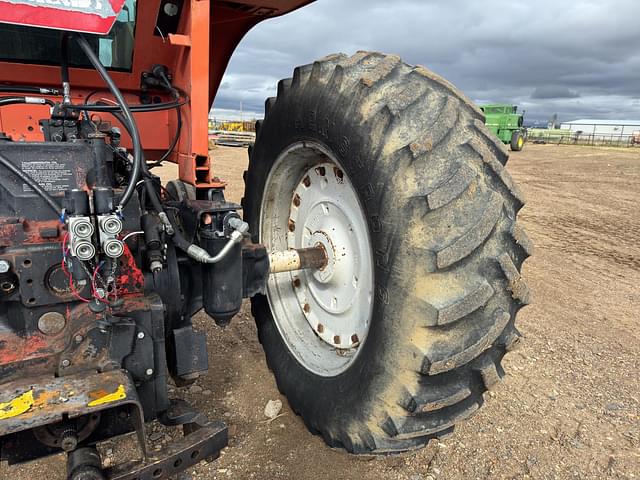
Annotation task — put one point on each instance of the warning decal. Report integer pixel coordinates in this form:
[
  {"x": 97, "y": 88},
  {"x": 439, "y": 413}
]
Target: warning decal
[{"x": 50, "y": 175}]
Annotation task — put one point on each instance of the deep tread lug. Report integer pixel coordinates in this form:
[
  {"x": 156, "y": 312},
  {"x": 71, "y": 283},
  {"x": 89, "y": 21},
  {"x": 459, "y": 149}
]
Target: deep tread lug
[
  {"x": 488, "y": 372},
  {"x": 476, "y": 299},
  {"x": 381, "y": 71},
  {"x": 451, "y": 188},
  {"x": 521, "y": 238},
  {"x": 473, "y": 237},
  {"x": 457, "y": 359},
  {"x": 445, "y": 400},
  {"x": 430, "y": 424},
  {"x": 517, "y": 286}
]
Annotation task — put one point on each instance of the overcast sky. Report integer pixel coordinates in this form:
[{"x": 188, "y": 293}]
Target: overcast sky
[{"x": 578, "y": 58}]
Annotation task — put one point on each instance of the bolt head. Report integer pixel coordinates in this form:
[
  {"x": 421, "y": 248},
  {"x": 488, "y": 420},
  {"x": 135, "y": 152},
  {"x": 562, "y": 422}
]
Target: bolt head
[
  {"x": 140, "y": 335},
  {"x": 66, "y": 363},
  {"x": 69, "y": 444},
  {"x": 149, "y": 371},
  {"x": 78, "y": 338},
  {"x": 4, "y": 266}
]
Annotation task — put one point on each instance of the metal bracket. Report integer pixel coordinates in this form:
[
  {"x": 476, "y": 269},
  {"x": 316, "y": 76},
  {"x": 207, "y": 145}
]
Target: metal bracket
[{"x": 204, "y": 442}]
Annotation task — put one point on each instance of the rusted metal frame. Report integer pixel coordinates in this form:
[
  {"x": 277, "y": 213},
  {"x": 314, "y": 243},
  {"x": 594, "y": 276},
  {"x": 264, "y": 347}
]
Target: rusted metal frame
[
  {"x": 74, "y": 395},
  {"x": 203, "y": 443},
  {"x": 48, "y": 400}
]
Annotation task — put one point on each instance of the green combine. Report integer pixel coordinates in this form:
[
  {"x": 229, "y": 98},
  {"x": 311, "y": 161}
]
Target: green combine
[{"x": 505, "y": 121}]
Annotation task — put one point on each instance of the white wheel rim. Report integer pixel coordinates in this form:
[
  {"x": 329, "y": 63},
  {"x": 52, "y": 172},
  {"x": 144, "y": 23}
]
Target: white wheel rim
[{"x": 322, "y": 315}]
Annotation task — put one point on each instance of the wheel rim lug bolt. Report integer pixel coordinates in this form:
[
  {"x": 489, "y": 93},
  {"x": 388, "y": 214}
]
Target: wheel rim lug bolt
[
  {"x": 336, "y": 339},
  {"x": 292, "y": 226}
]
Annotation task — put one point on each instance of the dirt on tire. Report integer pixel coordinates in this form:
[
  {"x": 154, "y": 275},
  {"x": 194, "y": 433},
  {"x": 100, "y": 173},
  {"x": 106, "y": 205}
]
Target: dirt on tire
[{"x": 569, "y": 406}]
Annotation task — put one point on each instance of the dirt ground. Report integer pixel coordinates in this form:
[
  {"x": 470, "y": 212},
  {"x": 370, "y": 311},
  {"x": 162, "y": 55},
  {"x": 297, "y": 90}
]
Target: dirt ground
[{"x": 570, "y": 404}]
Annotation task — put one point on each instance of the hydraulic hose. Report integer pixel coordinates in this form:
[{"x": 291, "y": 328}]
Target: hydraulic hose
[
  {"x": 153, "y": 195},
  {"x": 152, "y": 107},
  {"x": 176, "y": 138},
  {"x": 173, "y": 144},
  {"x": 64, "y": 68},
  {"x": 64, "y": 57},
  {"x": 123, "y": 112},
  {"x": 138, "y": 163},
  {"x": 195, "y": 252},
  {"x": 30, "y": 100},
  {"x": 35, "y": 186},
  {"x": 29, "y": 89},
  {"x": 199, "y": 254}
]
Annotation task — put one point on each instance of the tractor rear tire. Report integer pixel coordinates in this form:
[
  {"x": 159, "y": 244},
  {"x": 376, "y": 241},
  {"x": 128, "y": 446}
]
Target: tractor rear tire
[
  {"x": 446, "y": 251},
  {"x": 517, "y": 141}
]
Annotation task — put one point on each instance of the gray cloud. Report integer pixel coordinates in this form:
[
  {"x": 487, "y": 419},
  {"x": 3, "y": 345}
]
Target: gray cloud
[
  {"x": 578, "y": 60},
  {"x": 553, "y": 91}
]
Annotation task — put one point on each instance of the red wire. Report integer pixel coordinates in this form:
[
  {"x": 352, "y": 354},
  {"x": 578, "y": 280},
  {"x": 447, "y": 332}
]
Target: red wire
[
  {"x": 63, "y": 265},
  {"x": 93, "y": 281},
  {"x": 75, "y": 292}
]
